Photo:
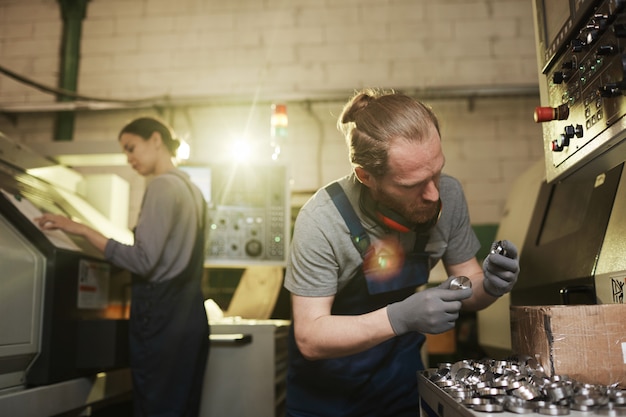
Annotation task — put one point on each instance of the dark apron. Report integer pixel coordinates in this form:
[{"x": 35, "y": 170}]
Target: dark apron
[
  {"x": 169, "y": 341},
  {"x": 381, "y": 381}
]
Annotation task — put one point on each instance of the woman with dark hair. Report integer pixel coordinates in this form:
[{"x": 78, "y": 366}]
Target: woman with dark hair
[{"x": 169, "y": 331}]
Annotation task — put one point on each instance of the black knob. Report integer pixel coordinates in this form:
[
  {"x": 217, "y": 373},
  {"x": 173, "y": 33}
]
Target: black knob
[
  {"x": 569, "y": 64},
  {"x": 619, "y": 29},
  {"x": 569, "y": 131},
  {"x": 558, "y": 77},
  {"x": 577, "y": 45},
  {"x": 600, "y": 21},
  {"x": 606, "y": 50},
  {"x": 578, "y": 131},
  {"x": 616, "y": 7},
  {"x": 254, "y": 248},
  {"x": 610, "y": 90}
]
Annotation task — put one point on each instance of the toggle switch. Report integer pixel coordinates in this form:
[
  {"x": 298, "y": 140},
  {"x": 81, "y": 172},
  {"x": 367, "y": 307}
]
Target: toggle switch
[
  {"x": 577, "y": 45},
  {"x": 610, "y": 90},
  {"x": 570, "y": 131},
  {"x": 578, "y": 131},
  {"x": 606, "y": 50}
]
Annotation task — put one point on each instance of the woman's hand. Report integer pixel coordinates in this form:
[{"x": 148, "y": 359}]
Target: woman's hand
[{"x": 51, "y": 221}]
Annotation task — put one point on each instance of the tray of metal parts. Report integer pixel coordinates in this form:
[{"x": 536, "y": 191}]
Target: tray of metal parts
[{"x": 468, "y": 388}]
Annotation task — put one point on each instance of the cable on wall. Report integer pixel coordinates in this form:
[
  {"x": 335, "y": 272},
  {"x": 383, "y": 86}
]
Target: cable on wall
[{"x": 84, "y": 102}]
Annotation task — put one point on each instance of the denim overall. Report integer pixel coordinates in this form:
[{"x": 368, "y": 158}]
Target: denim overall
[
  {"x": 381, "y": 381},
  {"x": 169, "y": 340}
]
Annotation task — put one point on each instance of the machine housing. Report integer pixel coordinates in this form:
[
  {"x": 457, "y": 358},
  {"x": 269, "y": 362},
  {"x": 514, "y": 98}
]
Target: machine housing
[
  {"x": 573, "y": 251},
  {"x": 61, "y": 301}
]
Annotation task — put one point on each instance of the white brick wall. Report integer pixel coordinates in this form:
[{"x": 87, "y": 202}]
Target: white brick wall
[{"x": 311, "y": 54}]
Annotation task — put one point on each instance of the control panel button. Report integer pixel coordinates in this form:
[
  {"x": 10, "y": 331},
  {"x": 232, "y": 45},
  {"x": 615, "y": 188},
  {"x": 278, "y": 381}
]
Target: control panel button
[
  {"x": 254, "y": 248},
  {"x": 578, "y": 131},
  {"x": 558, "y": 77},
  {"x": 577, "y": 45},
  {"x": 610, "y": 90},
  {"x": 559, "y": 144},
  {"x": 606, "y": 50},
  {"x": 547, "y": 114}
]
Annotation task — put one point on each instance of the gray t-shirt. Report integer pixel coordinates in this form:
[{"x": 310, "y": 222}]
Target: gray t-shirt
[
  {"x": 165, "y": 232},
  {"x": 323, "y": 258}
]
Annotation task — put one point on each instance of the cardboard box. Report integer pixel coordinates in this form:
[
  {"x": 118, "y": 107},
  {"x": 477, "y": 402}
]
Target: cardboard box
[
  {"x": 442, "y": 343},
  {"x": 586, "y": 342}
]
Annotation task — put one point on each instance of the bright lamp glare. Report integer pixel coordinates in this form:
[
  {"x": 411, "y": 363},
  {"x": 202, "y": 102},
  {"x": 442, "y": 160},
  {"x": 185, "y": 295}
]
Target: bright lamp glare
[
  {"x": 276, "y": 153},
  {"x": 241, "y": 150},
  {"x": 183, "y": 151}
]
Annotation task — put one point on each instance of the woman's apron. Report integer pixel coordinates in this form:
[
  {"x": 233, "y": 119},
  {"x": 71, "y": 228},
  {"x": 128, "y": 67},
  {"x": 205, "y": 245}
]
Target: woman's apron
[
  {"x": 381, "y": 381},
  {"x": 169, "y": 340}
]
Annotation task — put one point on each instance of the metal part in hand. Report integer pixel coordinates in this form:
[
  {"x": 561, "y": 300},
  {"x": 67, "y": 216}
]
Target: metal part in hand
[
  {"x": 460, "y": 283},
  {"x": 498, "y": 247}
]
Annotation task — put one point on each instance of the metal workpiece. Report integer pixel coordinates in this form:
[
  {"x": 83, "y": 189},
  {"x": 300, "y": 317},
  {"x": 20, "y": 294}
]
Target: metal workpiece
[
  {"x": 473, "y": 401},
  {"x": 559, "y": 391},
  {"x": 498, "y": 247},
  {"x": 519, "y": 406},
  {"x": 527, "y": 391},
  {"x": 521, "y": 386},
  {"x": 616, "y": 396},
  {"x": 489, "y": 407},
  {"x": 554, "y": 410},
  {"x": 611, "y": 410},
  {"x": 460, "y": 283}
]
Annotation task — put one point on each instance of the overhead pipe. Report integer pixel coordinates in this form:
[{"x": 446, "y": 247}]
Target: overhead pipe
[
  {"x": 73, "y": 12},
  {"x": 434, "y": 93}
]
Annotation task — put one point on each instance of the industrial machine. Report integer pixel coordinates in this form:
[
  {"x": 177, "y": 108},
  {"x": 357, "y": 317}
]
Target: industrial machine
[
  {"x": 580, "y": 47},
  {"x": 249, "y": 213},
  {"x": 248, "y": 239},
  {"x": 247, "y": 356},
  {"x": 569, "y": 215},
  {"x": 573, "y": 250},
  {"x": 62, "y": 321},
  {"x": 64, "y": 327}
]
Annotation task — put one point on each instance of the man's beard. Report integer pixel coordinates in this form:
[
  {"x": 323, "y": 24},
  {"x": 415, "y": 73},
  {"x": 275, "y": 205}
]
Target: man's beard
[{"x": 421, "y": 214}]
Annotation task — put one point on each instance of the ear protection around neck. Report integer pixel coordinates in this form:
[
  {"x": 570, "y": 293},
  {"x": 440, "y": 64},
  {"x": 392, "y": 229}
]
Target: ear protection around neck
[
  {"x": 396, "y": 222},
  {"x": 392, "y": 220}
]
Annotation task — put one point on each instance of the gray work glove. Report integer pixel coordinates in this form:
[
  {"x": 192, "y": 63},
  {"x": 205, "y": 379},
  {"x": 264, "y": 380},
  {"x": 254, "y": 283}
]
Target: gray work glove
[
  {"x": 501, "y": 268},
  {"x": 432, "y": 311}
]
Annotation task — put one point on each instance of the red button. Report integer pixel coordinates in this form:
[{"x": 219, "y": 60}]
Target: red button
[{"x": 544, "y": 114}]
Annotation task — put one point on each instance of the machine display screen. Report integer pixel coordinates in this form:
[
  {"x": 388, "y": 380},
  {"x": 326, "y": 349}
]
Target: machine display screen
[
  {"x": 556, "y": 13},
  {"x": 562, "y": 216},
  {"x": 223, "y": 185},
  {"x": 564, "y": 239},
  {"x": 242, "y": 187}
]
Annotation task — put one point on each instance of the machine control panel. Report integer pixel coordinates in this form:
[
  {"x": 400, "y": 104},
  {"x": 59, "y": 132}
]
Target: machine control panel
[
  {"x": 584, "y": 80},
  {"x": 249, "y": 217}
]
